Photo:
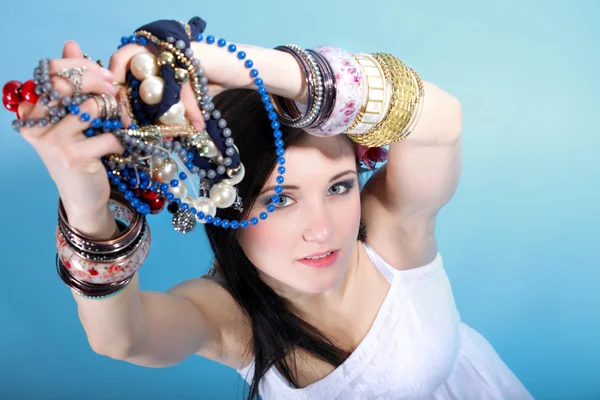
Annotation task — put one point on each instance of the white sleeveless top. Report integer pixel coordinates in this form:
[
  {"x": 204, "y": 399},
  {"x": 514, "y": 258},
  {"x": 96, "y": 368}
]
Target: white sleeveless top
[{"x": 417, "y": 348}]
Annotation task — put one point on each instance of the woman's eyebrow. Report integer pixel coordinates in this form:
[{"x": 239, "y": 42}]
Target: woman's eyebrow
[{"x": 295, "y": 187}]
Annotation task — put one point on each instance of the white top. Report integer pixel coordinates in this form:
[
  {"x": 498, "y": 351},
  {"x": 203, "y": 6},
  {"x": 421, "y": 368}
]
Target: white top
[{"x": 417, "y": 348}]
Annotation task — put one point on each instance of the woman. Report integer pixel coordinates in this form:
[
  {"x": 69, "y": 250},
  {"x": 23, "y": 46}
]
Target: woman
[{"x": 339, "y": 294}]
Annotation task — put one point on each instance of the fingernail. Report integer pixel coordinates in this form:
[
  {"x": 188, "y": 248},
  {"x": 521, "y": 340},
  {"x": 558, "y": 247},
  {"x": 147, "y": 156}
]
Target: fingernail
[
  {"x": 199, "y": 125},
  {"x": 108, "y": 74},
  {"x": 112, "y": 89}
]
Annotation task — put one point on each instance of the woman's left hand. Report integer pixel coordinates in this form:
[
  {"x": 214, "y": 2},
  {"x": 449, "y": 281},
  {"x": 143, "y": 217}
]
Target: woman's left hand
[{"x": 119, "y": 65}]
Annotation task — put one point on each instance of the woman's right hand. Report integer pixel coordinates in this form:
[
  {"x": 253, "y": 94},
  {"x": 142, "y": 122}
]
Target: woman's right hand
[{"x": 72, "y": 159}]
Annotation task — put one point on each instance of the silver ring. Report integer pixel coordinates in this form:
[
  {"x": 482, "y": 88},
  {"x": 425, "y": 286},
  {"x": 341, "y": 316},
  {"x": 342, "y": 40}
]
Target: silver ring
[
  {"x": 75, "y": 78},
  {"x": 101, "y": 106}
]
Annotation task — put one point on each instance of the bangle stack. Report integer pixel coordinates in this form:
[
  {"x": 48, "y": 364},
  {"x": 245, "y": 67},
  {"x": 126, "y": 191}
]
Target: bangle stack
[
  {"x": 100, "y": 268},
  {"x": 373, "y": 98}
]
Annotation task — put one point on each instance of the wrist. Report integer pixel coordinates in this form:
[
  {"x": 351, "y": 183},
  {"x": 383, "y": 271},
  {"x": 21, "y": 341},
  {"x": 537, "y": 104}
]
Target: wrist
[{"x": 98, "y": 224}]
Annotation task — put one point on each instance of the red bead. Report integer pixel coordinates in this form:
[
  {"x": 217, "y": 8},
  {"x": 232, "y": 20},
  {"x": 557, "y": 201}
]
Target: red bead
[
  {"x": 157, "y": 205},
  {"x": 11, "y": 92},
  {"x": 13, "y": 107},
  {"x": 148, "y": 194},
  {"x": 28, "y": 92}
]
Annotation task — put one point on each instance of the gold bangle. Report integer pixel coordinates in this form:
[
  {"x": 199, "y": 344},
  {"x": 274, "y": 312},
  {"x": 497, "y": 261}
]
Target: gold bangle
[{"x": 402, "y": 105}]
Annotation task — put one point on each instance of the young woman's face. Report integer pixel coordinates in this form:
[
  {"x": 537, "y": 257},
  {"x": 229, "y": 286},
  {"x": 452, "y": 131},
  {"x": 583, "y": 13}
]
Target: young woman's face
[{"x": 305, "y": 244}]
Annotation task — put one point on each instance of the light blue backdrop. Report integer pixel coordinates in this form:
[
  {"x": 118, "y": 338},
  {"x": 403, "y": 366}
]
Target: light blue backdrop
[{"x": 519, "y": 239}]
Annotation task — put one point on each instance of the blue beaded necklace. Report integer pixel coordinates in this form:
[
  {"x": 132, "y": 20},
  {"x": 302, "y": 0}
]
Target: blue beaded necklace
[{"x": 131, "y": 180}]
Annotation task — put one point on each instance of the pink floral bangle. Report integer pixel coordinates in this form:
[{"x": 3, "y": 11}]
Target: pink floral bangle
[
  {"x": 349, "y": 91},
  {"x": 97, "y": 272}
]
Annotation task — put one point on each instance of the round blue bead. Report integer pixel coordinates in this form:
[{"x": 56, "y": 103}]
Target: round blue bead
[
  {"x": 170, "y": 196},
  {"x": 73, "y": 109},
  {"x": 235, "y": 224},
  {"x": 232, "y": 48},
  {"x": 85, "y": 117},
  {"x": 216, "y": 221},
  {"x": 277, "y": 134},
  {"x": 279, "y": 143},
  {"x": 193, "y": 210},
  {"x": 254, "y": 73},
  {"x": 178, "y": 201},
  {"x": 133, "y": 181},
  {"x": 199, "y": 37},
  {"x": 135, "y": 83},
  {"x": 136, "y": 202},
  {"x": 254, "y": 221},
  {"x": 210, "y": 39},
  {"x": 96, "y": 122},
  {"x": 133, "y": 39},
  {"x": 116, "y": 180},
  {"x": 258, "y": 82},
  {"x": 133, "y": 126},
  {"x": 189, "y": 165},
  {"x": 182, "y": 176},
  {"x": 275, "y": 125},
  {"x": 222, "y": 42},
  {"x": 281, "y": 160},
  {"x": 265, "y": 98},
  {"x": 123, "y": 39},
  {"x": 241, "y": 55},
  {"x": 164, "y": 187},
  {"x": 145, "y": 184},
  {"x": 185, "y": 206},
  {"x": 107, "y": 125},
  {"x": 143, "y": 175},
  {"x": 280, "y": 152},
  {"x": 278, "y": 189},
  {"x": 116, "y": 124},
  {"x": 129, "y": 195},
  {"x": 122, "y": 187},
  {"x": 200, "y": 215},
  {"x": 269, "y": 107},
  {"x": 174, "y": 183},
  {"x": 262, "y": 90},
  {"x": 248, "y": 63},
  {"x": 270, "y": 208},
  {"x": 272, "y": 115},
  {"x": 208, "y": 218},
  {"x": 281, "y": 170},
  {"x": 225, "y": 224},
  {"x": 244, "y": 224},
  {"x": 263, "y": 215},
  {"x": 89, "y": 132},
  {"x": 280, "y": 179},
  {"x": 143, "y": 41},
  {"x": 275, "y": 199}
]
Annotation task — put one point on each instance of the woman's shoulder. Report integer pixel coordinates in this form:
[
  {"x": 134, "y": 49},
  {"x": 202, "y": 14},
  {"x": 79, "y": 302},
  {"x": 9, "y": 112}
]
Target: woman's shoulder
[{"x": 210, "y": 294}]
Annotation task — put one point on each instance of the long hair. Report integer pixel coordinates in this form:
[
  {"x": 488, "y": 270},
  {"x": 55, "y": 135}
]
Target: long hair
[{"x": 277, "y": 330}]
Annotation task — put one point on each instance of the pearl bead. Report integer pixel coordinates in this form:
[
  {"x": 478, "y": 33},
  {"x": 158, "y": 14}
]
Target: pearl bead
[
  {"x": 144, "y": 66},
  {"x": 151, "y": 90},
  {"x": 237, "y": 178},
  {"x": 181, "y": 75},
  {"x": 180, "y": 191},
  {"x": 166, "y": 58},
  {"x": 206, "y": 206},
  {"x": 167, "y": 172},
  {"x": 174, "y": 114},
  {"x": 223, "y": 195}
]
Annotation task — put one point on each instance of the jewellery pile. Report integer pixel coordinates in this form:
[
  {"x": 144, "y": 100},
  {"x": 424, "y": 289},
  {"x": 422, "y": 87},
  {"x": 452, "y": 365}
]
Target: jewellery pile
[{"x": 167, "y": 161}]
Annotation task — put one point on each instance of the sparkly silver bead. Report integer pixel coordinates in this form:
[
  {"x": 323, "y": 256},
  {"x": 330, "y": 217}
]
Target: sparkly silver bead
[{"x": 184, "y": 221}]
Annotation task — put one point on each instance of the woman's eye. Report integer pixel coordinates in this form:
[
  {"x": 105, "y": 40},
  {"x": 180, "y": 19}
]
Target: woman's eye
[
  {"x": 284, "y": 201},
  {"x": 341, "y": 188}
]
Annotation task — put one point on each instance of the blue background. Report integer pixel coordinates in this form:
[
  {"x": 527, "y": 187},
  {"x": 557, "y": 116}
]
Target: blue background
[{"x": 519, "y": 239}]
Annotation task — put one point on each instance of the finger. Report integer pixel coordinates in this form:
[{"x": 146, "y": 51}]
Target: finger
[
  {"x": 120, "y": 60},
  {"x": 66, "y": 63},
  {"x": 91, "y": 83},
  {"x": 24, "y": 110},
  {"x": 72, "y": 50},
  {"x": 69, "y": 128},
  {"x": 123, "y": 98},
  {"x": 192, "y": 111},
  {"x": 84, "y": 154}
]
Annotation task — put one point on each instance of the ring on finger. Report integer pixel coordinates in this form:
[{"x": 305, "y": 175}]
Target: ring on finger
[
  {"x": 75, "y": 78},
  {"x": 101, "y": 106}
]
